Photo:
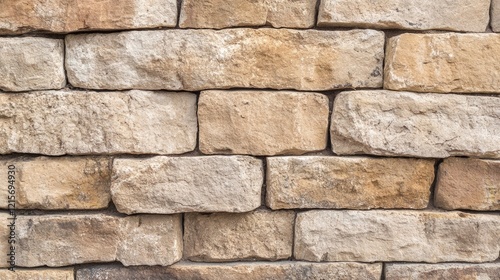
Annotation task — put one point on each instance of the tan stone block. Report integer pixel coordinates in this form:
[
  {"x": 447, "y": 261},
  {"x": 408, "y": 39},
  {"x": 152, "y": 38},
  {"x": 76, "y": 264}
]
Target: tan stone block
[
  {"x": 59, "y": 183},
  {"x": 408, "y": 236},
  {"x": 38, "y": 274},
  {"x": 80, "y": 122},
  {"x": 495, "y": 15},
  {"x": 262, "y": 122},
  {"x": 168, "y": 185},
  {"x": 63, "y": 16},
  {"x": 31, "y": 63},
  {"x": 390, "y": 123},
  {"x": 222, "y": 14},
  {"x": 459, "y": 15},
  {"x": 466, "y": 183},
  {"x": 348, "y": 182},
  {"x": 7, "y": 235},
  {"x": 458, "y": 271},
  {"x": 260, "y": 235},
  {"x": 445, "y": 62},
  {"x": 232, "y": 58}
]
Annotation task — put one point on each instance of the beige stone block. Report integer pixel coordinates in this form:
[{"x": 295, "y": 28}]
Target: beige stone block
[
  {"x": 262, "y": 122},
  {"x": 38, "y": 274},
  {"x": 459, "y": 271}
]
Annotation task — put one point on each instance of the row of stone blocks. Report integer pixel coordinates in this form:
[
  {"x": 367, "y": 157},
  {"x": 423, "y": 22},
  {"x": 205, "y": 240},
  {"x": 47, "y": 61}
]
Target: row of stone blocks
[{"x": 62, "y": 16}]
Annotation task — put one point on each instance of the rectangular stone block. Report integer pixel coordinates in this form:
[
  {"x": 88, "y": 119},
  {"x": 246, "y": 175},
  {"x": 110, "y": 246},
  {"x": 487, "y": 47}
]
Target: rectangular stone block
[
  {"x": 57, "y": 183},
  {"x": 445, "y": 62},
  {"x": 262, "y": 122},
  {"x": 403, "y": 236},
  {"x": 408, "y": 124},
  {"x": 467, "y": 183},
  {"x": 442, "y": 271},
  {"x": 63, "y": 16},
  {"x": 459, "y": 15},
  {"x": 348, "y": 182},
  {"x": 31, "y": 63},
  {"x": 284, "y": 270},
  {"x": 38, "y": 274},
  {"x": 166, "y": 185},
  {"x": 495, "y": 15},
  {"x": 62, "y": 240},
  {"x": 220, "y": 237},
  {"x": 232, "y": 58},
  {"x": 80, "y": 122},
  {"x": 222, "y": 14}
]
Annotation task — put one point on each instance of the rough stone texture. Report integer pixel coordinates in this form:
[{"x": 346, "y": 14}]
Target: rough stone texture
[
  {"x": 187, "y": 184},
  {"x": 4, "y": 235},
  {"x": 20, "y": 16},
  {"x": 61, "y": 240},
  {"x": 448, "y": 62},
  {"x": 412, "y": 236},
  {"x": 465, "y": 183},
  {"x": 77, "y": 122},
  {"x": 348, "y": 182},
  {"x": 249, "y": 271},
  {"x": 459, "y": 15},
  {"x": 244, "y": 58},
  {"x": 31, "y": 63},
  {"x": 261, "y": 235},
  {"x": 262, "y": 122},
  {"x": 221, "y": 13},
  {"x": 409, "y": 124},
  {"x": 495, "y": 15},
  {"x": 458, "y": 271},
  {"x": 59, "y": 183},
  {"x": 38, "y": 274}
]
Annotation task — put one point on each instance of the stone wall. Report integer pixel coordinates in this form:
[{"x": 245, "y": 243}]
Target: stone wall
[{"x": 250, "y": 139}]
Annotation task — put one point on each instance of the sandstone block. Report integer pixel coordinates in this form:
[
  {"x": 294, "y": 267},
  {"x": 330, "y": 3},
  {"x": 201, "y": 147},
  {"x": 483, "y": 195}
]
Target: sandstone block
[
  {"x": 31, "y": 63},
  {"x": 262, "y": 122},
  {"x": 466, "y": 183},
  {"x": 168, "y": 185},
  {"x": 37, "y": 274},
  {"x": 495, "y": 15},
  {"x": 62, "y": 16},
  {"x": 261, "y": 235},
  {"x": 6, "y": 234},
  {"x": 348, "y": 182},
  {"x": 442, "y": 271},
  {"x": 416, "y": 125},
  {"x": 244, "y": 58},
  {"x": 222, "y": 14},
  {"x": 284, "y": 270},
  {"x": 61, "y": 240},
  {"x": 410, "y": 236},
  {"x": 460, "y": 15},
  {"x": 448, "y": 62},
  {"x": 59, "y": 183},
  {"x": 78, "y": 122}
]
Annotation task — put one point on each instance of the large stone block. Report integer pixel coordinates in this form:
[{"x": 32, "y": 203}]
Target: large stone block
[
  {"x": 348, "y": 182},
  {"x": 38, "y": 274},
  {"x": 243, "y": 58},
  {"x": 392, "y": 123},
  {"x": 262, "y": 122},
  {"x": 79, "y": 122},
  {"x": 458, "y": 271},
  {"x": 187, "y": 184}
]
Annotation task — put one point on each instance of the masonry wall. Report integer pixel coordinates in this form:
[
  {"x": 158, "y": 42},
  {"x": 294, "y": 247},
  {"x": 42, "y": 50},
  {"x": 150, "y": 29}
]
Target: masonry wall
[{"x": 250, "y": 139}]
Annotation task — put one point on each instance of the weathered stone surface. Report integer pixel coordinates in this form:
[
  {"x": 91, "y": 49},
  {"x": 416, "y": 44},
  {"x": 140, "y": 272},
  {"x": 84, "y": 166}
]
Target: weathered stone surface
[
  {"x": 208, "y": 59},
  {"x": 412, "y": 236},
  {"x": 61, "y": 240},
  {"x": 187, "y": 184},
  {"x": 495, "y": 15},
  {"x": 448, "y": 62},
  {"x": 459, "y": 15},
  {"x": 284, "y": 270},
  {"x": 59, "y": 183},
  {"x": 221, "y": 13},
  {"x": 420, "y": 125},
  {"x": 19, "y": 16},
  {"x": 31, "y": 63},
  {"x": 466, "y": 183},
  {"x": 262, "y": 122},
  {"x": 348, "y": 182},
  {"x": 224, "y": 237},
  {"x": 38, "y": 274},
  {"x": 458, "y": 271},
  {"x": 78, "y": 122},
  {"x": 5, "y": 233}
]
